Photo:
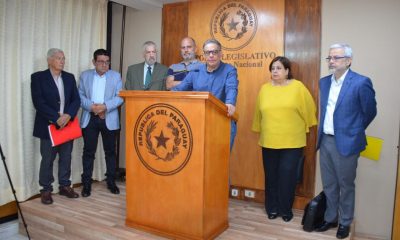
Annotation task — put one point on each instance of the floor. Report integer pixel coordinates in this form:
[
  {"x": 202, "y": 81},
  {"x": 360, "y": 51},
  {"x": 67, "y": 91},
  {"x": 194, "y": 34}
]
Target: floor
[{"x": 247, "y": 220}]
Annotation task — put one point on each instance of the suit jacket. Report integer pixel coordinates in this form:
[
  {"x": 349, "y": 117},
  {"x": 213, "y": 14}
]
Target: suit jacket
[
  {"x": 46, "y": 100},
  {"x": 111, "y": 98},
  {"x": 354, "y": 111},
  {"x": 134, "y": 77}
]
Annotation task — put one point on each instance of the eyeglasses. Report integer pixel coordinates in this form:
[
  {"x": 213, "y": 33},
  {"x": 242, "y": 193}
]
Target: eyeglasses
[
  {"x": 103, "y": 62},
  {"x": 334, "y": 58},
  {"x": 214, "y": 52}
]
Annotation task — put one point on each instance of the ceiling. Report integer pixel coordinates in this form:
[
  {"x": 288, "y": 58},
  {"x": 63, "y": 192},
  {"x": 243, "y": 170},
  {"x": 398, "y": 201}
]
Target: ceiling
[{"x": 146, "y": 4}]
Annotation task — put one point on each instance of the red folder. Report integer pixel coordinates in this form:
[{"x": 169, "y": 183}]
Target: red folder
[{"x": 70, "y": 132}]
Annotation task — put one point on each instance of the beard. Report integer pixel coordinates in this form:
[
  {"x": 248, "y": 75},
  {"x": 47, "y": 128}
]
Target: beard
[{"x": 188, "y": 56}]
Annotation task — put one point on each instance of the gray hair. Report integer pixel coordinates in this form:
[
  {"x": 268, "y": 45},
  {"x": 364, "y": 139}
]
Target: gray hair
[
  {"x": 348, "y": 52},
  {"x": 148, "y": 44},
  {"x": 53, "y": 51},
  {"x": 213, "y": 41}
]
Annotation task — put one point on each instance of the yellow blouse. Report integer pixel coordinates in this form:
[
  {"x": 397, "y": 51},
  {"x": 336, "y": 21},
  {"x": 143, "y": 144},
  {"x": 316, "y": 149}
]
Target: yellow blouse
[{"x": 283, "y": 115}]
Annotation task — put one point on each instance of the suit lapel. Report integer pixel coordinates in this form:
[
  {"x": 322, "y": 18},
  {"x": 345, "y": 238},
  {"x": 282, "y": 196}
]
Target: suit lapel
[
  {"x": 109, "y": 86},
  {"x": 345, "y": 87},
  {"x": 52, "y": 83},
  {"x": 140, "y": 76}
]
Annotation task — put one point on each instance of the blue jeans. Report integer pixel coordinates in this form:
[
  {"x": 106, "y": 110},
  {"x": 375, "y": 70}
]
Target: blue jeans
[
  {"x": 49, "y": 154},
  {"x": 91, "y": 133}
]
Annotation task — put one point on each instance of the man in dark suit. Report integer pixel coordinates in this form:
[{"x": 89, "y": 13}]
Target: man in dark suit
[
  {"x": 347, "y": 107},
  {"x": 148, "y": 75},
  {"x": 56, "y": 100},
  {"x": 98, "y": 89}
]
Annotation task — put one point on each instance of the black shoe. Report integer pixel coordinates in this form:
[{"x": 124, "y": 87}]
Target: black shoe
[
  {"x": 325, "y": 226},
  {"x": 272, "y": 215},
  {"x": 113, "y": 188},
  {"x": 86, "y": 190},
  {"x": 287, "y": 218},
  {"x": 343, "y": 231}
]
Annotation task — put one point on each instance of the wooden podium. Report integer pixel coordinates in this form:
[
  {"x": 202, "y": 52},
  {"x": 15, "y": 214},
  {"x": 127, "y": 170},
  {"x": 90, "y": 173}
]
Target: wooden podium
[{"x": 177, "y": 152}]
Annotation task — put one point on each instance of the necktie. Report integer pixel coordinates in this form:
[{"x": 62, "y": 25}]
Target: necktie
[{"x": 148, "y": 77}]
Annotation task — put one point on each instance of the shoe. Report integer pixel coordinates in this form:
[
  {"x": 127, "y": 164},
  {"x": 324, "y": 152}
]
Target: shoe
[
  {"x": 46, "y": 197},
  {"x": 343, "y": 231},
  {"x": 113, "y": 188},
  {"x": 272, "y": 215},
  {"x": 325, "y": 226},
  {"x": 86, "y": 190},
  {"x": 68, "y": 192},
  {"x": 287, "y": 218}
]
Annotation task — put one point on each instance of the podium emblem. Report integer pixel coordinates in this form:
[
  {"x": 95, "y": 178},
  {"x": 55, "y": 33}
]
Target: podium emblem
[
  {"x": 234, "y": 24},
  {"x": 163, "y": 139}
]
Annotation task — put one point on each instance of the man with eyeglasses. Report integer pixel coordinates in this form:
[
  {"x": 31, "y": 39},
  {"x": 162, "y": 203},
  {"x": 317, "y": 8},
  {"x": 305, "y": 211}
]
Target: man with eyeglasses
[
  {"x": 98, "y": 90},
  {"x": 178, "y": 71},
  {"x": 347, "y": 107},
  {"x": 148, "y": 75},
  {"x": 215, "y": 77}
]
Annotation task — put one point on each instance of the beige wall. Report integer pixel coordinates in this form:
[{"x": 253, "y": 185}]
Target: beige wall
[
  {"x": 140, "y": 26},
  {"x": 370, "y": 27}
]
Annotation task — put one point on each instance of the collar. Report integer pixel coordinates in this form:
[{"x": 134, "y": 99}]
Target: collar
[{"x": 341, "y": 79}]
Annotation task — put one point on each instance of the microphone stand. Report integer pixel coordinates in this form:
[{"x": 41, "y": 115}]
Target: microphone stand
[{"x": 13, "y": 190}]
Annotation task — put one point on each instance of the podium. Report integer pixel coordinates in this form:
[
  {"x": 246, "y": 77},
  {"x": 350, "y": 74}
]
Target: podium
[{"x": 177, "y": 152}]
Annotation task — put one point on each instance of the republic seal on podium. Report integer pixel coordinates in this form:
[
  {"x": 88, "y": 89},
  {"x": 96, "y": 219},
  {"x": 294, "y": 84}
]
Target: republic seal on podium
[{"x": 163, "y": 139}]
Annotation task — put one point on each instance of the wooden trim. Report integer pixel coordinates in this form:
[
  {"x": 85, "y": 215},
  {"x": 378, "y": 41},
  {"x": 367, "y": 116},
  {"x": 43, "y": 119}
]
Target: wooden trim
[
  {"x": 303, "y": 20},
  {"x": 396, "y": 212},
  {"x": 8, "y": 209},
  {"x": 174, "y": 28},
  {"x": 299, "y": 202}
]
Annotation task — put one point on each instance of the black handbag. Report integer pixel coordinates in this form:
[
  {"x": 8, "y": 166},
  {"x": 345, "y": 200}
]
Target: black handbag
[{"x": 314, "y": 213}]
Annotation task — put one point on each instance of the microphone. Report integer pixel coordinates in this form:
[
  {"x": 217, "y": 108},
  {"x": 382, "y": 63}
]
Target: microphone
[{"x": 163, "y": 79}]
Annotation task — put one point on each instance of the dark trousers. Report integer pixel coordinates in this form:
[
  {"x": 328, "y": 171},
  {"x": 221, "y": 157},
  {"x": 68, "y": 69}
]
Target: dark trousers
[
  {"x": 280, "y": 169},
  {"x": 90, "y": 137},
  {"x": 49, "y": 154}
]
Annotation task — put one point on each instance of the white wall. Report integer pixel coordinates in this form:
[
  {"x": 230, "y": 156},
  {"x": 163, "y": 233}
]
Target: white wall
[
  {"x": 370, "y": 27},
  {"x": 140, "y": 26}
]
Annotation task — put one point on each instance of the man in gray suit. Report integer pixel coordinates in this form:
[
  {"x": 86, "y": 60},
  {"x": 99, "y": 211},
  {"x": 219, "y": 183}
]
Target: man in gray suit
[
  {"x": 148, "y": 75},
  {"x": 98, "y": 90}
]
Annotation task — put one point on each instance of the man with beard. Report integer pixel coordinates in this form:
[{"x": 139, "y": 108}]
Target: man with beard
[
  {"x": 148, "y": 75},
  {"x": 177, "y": 72}
]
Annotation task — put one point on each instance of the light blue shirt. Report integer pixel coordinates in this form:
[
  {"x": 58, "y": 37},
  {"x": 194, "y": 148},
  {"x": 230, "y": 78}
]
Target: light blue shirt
[
  {"x": 222, "y": 82},
  {"x": 99, "y": 87},
  {"x": 334, "y": 91},
  {"x": 145, "y": 71}
]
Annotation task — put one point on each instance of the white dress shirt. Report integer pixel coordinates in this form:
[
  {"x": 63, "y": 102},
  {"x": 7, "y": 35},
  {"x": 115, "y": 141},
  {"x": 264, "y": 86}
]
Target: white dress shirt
[{"x": 334, "y": 91}]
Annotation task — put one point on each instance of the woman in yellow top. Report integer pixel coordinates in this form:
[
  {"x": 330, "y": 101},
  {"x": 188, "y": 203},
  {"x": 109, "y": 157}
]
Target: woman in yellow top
[{"x": 285, "y": 110}]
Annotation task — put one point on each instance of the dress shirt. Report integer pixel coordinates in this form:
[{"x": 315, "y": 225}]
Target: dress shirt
[
  {"x": 334, "y": 91},
  {"x": 180, "y": 70},
  {"x": 60, "y": 86},
  {"x": 222, "y": 82},
  {"x": 145, "y": 72},
  {"x": 99, "y": 87}
]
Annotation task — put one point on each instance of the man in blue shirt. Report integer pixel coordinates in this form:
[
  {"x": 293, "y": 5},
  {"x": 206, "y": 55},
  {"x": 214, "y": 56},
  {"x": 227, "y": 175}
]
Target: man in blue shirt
[{"x": 216, "y": 77}]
